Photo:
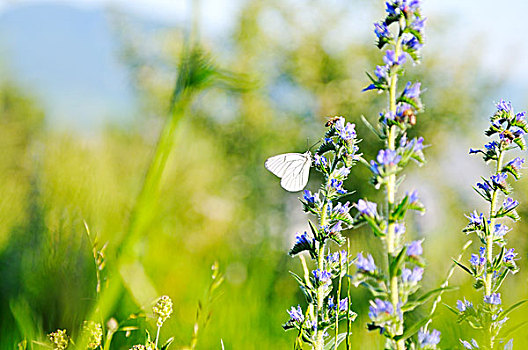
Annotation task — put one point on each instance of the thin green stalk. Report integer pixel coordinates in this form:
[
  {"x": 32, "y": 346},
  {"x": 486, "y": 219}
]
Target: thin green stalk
[
  {"x": 349, "y": 320},
  {"x": 391, "y": 189},
  {"x": 489, "y": 243},
  {"x": 338, "y": 299},
  {"x": 319, "y": 340}
]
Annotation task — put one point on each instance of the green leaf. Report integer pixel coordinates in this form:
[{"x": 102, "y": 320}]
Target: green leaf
[
  {"x": 413, "y": 329},
  {"x": 511, "y": 330},
  {"x": 512, "y": 308},
  {"x": 432, "y": 293},
  {"x": 167, "y": 344},
  {"x": 463, "y": 267},
  {"x": 331, "y": 345},
  {"x": 397, "y": 262},
  {"x": 371, "y": 128}
]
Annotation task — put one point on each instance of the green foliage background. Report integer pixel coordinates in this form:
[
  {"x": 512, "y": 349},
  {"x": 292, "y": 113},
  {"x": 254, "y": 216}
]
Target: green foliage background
[{"x": 212, "y": 199}]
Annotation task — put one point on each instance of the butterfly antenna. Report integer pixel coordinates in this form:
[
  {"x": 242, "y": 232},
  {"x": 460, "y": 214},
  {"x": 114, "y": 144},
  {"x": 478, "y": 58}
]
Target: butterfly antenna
[{"x": 315, "y": 144}]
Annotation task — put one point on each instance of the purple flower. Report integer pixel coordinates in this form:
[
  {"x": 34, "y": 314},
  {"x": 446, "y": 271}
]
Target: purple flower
[
  {"x": 520, "y": 117},
  {"x": 414, "y": 248},
  {"x": 296, "y": 314},
  {"x": 509, "y": 255},
  {"x": 365, "y": 264},
  {"x": 303, "y": 239},
  {"x": 463, "y": 305},
  {"x": 469, "y": 346},
  {"x": 388, "y": 157},
  {"x": 339, "y": 209},
  {"x": 412, "y": 276},
  {"x": 375, "y": 168},
  {"x": 390, "y": 58},
  {"x": 322, "y": 277},
  {"x": 333, "y": 258},
  {"x": 379, "y": 308},
  {"x": 320, "y": 161},
  {"x": 503, "y": 106},
  {"x": 336, "y": 228},
  {"x": 418, "y": 144},
  {"x": 500, "y": 230},
  {"x": 418, "y": 24},
  {"x": 346, "y": 132},
  {"x": 491, "y": 146},
  {"x": 399, "y": 229},
  {"x": 412, "y": 90},
  {"x": 516, "y": 163},
  {"x": 499, "y": 178},
  {"x": 382, "y": 31},
  {"x": 475, "y": 218},
  {"x": 411, "y": 42},
  {"x": 343, "y": 304},
  {"x": 493, "y": 299},
  {"x": 341, "y": 173},
  {"x": 308, "y": 197},
  {"x": 509, "y": 204},
  {"x": 476, "y": 260},
  {"x": 413, "y": 196},
  {"x": 382, "y": 72},
  {"x": 337, "y": 186},
  {"x": 428, "y": 339},
  {"x": 484, "y": 186},
  {"x": 367, "y": 208}
]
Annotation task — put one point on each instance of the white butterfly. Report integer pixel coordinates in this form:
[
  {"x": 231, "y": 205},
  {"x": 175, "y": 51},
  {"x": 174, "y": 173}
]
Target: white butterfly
[{"x": 292, "y": 168}]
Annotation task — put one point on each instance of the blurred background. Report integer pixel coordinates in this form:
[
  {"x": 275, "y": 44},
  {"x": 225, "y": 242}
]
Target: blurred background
[{"x": 109, "y": 117}]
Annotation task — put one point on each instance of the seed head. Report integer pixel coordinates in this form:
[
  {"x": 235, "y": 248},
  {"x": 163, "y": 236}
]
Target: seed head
[
  {"x": 59, "y": 339},
  {"x": 94, "y": 333},
  {"x": 162, "y": 309}
]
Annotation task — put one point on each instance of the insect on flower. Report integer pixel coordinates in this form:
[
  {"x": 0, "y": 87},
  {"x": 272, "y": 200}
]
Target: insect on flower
[
  {"x": 332, "y": 121},
  {"x": 292, "y": 168}
]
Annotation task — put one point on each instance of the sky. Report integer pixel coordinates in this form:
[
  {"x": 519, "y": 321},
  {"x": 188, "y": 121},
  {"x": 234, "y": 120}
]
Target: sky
[{"x": 496, "y": 29}]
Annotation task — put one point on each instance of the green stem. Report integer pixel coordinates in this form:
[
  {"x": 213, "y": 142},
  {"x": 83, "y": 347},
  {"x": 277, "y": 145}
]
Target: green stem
[
  {"x": 391, "y": 190},
  {"x": 319, "y": 340},
  {"x": 489, "y": 244}
]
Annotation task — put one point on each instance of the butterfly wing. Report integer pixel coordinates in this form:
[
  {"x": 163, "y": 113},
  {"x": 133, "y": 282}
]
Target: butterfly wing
[{"x": 292, "y": 168}]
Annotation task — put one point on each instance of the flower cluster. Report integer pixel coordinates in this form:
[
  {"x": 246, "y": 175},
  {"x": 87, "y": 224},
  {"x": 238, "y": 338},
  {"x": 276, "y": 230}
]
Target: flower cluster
[
  {"x": 494, "y": 260},
  {"x": 401, "y": 34},
  {"x": 94, "y": 334},
  {"x": 326, "y": 307},
  {"x": 59, "y": 339}
]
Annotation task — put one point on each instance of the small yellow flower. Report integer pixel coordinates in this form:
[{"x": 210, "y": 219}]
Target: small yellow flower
[
  {"x": 94, "y": 333},
  {"x": 162, "y": 309},
  {"x": 59, "y": 339},
  {"x": 138, "y": 347}
]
